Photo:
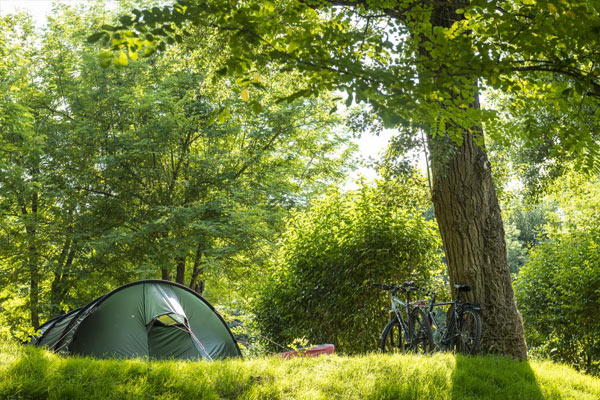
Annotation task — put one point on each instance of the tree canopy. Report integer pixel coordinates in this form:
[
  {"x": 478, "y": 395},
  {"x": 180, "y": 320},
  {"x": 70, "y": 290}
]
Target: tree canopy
[
  {"x": 110, "y": 174},
  {"x": 391, "y": 54}
]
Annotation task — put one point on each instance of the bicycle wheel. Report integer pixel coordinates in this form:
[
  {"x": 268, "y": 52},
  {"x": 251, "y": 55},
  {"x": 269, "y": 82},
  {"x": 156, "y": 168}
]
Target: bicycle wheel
[
  {"x": 421, "y": 335},
  {"x": 469, "y": 328},
  {"x": 392, "y": 338}
]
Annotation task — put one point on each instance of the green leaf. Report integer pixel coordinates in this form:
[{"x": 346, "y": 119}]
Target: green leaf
[
  {"x": 256, "y": 107},
  {"x": 106, "y": 54},
  {"x": 137, "y": 13},
  {"x": 245, "y": 94},
  {"x": 242, "y": 81},
  {"x": 294, "y": 96},
  {"x": 95, "y": 37},
  {"x": 224, "y": 115},
  {"x": 121, "y": 60},
  {"x": 292, "y": 46},
  {"x": 390, "y": 119},
  {"x": 349, "y": 99},
  {"x": 126, "y": 21}
]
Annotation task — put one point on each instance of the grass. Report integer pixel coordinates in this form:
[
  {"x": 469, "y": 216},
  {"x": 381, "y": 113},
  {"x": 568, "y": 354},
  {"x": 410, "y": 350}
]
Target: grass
[{"x": 32, "y": 373}]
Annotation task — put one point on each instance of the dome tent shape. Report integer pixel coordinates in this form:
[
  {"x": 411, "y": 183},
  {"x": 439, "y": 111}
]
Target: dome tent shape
[{"x": 150, "y": 318}]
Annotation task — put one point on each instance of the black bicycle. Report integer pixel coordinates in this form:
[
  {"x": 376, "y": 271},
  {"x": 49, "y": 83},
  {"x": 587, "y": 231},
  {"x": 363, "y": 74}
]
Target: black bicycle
[
  {"x": 410, "y": 334},
  {"x": 457, "y": 329}
]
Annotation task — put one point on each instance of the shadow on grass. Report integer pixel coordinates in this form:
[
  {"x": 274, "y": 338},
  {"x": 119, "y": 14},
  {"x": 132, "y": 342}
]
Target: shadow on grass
[{"x": 493, "y": 378}]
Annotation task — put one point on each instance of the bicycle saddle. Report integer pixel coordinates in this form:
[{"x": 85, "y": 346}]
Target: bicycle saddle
[{"x": 463, "y": 288}]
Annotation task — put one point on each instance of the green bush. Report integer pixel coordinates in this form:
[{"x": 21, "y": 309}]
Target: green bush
[
  {"x": 321, "y": 286},
  {"x": 558, "y": 292}
]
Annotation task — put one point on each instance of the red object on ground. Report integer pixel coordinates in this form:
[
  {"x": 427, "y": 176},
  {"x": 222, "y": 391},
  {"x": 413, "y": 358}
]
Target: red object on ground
[{"x": 310, "y": 352}]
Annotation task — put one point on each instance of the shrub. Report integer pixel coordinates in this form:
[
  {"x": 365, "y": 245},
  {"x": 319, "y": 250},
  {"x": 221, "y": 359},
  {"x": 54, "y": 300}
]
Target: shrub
[
  {"x": 321, "y": 283},
  {"x": 558, "y": 292}
]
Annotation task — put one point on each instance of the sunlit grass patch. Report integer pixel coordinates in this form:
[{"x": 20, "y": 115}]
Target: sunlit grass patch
[{"x": 27, "y": 373}]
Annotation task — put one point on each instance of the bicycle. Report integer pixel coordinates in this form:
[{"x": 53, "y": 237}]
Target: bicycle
[
  {"x": 400, "y": 335},
  {"x": 462, "y": 329}
]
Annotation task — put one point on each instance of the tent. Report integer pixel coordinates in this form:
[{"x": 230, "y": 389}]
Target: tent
[{"x": 151, "y": 318}]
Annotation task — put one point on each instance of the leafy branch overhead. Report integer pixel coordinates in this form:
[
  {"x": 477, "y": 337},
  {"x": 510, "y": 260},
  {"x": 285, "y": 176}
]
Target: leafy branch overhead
[{"x": 388, "y": 53}]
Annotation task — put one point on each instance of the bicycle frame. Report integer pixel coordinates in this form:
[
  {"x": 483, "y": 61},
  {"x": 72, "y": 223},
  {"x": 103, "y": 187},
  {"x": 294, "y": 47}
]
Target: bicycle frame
[
  {"x": 405, "y": 325},
  {"x": 451, "y": 332}
]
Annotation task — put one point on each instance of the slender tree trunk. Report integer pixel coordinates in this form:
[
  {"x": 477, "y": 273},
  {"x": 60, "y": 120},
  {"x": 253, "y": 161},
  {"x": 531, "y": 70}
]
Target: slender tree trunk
[
  {"x": 165, "y": 274},
  {"x": 180, "y": 264},
  {"x": 197, "y": 271},
  {"x": 33, "y": 260},
  {"x": 468, "y": 215},
  {"x": 34, "y": 291},
  {"x": 61, "y": 282}
]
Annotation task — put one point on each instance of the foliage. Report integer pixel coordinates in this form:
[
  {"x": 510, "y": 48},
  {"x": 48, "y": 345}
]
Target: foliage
[
  {"x": 540, "y": 141},
  {"x": 526, "y": 226},
  {"x": 322, "y": 281},
  {"x": 557, "y": 291},
  {"x": 419, "y": 64},
  {"x": 391, "y": 54},
  {"x": 112, "y": 174},
  {"x": 557, "y": 288},
  {"x": 35, "y": 373},
  {"x": 577, "y": 196}
]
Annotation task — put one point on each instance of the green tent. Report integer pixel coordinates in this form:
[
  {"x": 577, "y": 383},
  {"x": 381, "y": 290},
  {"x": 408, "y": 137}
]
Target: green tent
[{"x": 150, "y": 318}]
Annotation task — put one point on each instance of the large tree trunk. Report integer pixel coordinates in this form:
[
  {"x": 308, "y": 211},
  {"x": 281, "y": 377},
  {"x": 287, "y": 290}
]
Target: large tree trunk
[{"x": 468, "y": 215}]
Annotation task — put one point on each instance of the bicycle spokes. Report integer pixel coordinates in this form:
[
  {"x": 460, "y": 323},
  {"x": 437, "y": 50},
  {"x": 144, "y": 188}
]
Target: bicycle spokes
[
  {"x": 469, "y": 332},
  {"x": 420, "y": 335},
  {"x": 393, "y": 338}
]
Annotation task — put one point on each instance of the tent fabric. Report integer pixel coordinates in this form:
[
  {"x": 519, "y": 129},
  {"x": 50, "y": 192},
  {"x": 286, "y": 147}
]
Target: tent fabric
[{"x": 150, "y": 318}]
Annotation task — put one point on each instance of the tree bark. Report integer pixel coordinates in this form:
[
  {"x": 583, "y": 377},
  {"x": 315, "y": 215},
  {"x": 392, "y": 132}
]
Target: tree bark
[
  {"x": 32, "y": 259},
  {"x": 197, "y": 271},
  {"x": 470, "y": 223},
  {"x": 165, "y": 274},
  {"x": 61, "y": 283},
  {"x": 34, "y": 291},
  {"x": 180, "y": 264}
]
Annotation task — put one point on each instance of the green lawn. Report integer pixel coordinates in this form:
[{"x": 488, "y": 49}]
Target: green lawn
[{"x": 31, "y": 373}]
